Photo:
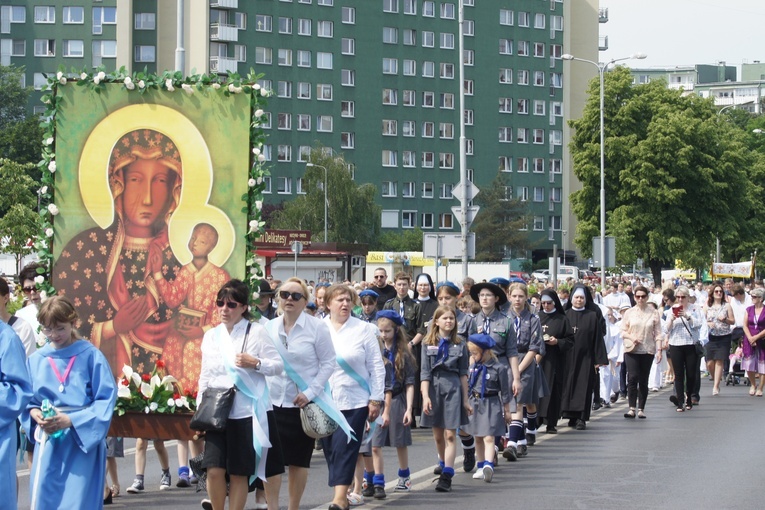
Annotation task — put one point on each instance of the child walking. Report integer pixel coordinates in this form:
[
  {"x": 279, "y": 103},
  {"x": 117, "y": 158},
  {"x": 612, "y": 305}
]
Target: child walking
[
  {"x": 490, "y": 395},
  {"x": 444, "y": 387}
]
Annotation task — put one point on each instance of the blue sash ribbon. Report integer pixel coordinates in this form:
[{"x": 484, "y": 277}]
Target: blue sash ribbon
[{"x": 364, "y": 385}]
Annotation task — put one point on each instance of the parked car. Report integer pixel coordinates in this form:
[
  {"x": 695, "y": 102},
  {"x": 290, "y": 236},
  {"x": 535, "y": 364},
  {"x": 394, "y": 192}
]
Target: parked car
[
  {"x": 587, "y": 276},
  {"x": 520, "y": 274},
  {"x": 541, "y": 275}
]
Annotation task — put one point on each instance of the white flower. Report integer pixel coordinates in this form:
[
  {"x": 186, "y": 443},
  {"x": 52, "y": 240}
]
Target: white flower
[
  {"x": 130, "y": 86},
  {"x": 52, "y": 167},
  {"x": 256, "y": 151},
  {"x": 62, "y": 80},
  {"x": 261, "y": 158},
  {"x": 251, "y": 183},
  {"x": 101, "y": 75},
  {"x": 48, "y": 140},
  {"x": 253, "y": 271},
  {"x": 253, "y": 225},
  {"x": 255, "y": 295},
  {"x": 49, "y": 232},
  {"x": 169, "y": 85},
  {"x": 231, "y": 87},
  {"x": 123, "y": 392},
  {"x": 256, "y": 86},
  {"x": 128, "y": 80},
  {"x": 84, "y": 76},
  {"x": 59, "y": 75},
  {"x": 216, "y": 86},
  {"x": 147, "y": 390},
  {"x": 258, "y": 113},
  {"x": 180, "y": 402},
  {"x": 127, "y": 371},
  {"x": 136, "y": 379},
  {"x": 264, "y": 92},
  {"x": 155, "y": 381},
  {"x": 43, "y": 190},
  {"x": 171, "y": 402},
  {"x": 141, "y": 84},
  {"x": 53, "y": 209},
  {"x": 187, "y": 88},
  {"x": 260, "y": 180},
  {"x": 39, "y": 279},
  {"x": 146, "y": 410},
  {"x": 96, "y": 80},
  {"x": 153, "y": 406},
  {"x": 258, "y": 204}
]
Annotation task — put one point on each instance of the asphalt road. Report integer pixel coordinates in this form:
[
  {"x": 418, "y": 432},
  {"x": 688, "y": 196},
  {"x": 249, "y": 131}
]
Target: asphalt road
[{"x": 709, "y": 457}]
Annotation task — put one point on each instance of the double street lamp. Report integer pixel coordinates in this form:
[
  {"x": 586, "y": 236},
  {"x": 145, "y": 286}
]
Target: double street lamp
[
  {"x": 602, "y": 67},
  {"x": 326, "y": 185}
]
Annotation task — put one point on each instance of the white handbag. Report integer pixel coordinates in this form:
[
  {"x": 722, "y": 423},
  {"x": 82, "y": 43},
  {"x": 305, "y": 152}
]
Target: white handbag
[{"x": 316, "y": 423}]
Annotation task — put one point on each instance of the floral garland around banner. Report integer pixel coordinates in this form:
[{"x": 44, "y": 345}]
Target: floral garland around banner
[{"x": 139, "y": 83}]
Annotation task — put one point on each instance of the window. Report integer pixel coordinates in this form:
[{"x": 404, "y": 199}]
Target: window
[
  {"x": 263, "y": 23},
  {"x": 447, "y": 71},
  {"x": 349, "y": 15},
  {"x": 410, "y": 7},
  {"x": 300, "y": 188},
  {"x": 428, "y": 9},
  {"x": 557, "y": 108},
  {"x": 145, "y": 53},
  {"x": 446, "y": 191},
  {"x": 468, "y": 57},
  {"x": 556, "y": 137},
  {"x": 555, "y": 195},
  {"x": 389, "y": 158},
  {"x": 304, "y": 90},
  {"x": 389, "y": 219},
  {"x": 267, "y": 185},
  {"x": 347, "y": 109},
  {"x": 389, "y": 127},
  {"x": 522, "y": 165},
  {"x": 407, "y": 190},
  {"x": 103, "y": 16},
  {"x": 523, "y": 106},
  {"x": 390, "y": 35},
  {"x": 505, "y": 134},
  {"x": 409, "y": 159},
  {"x": 539, "y": 78},
  {"x": 240, "y": 20},
  {"x": 523, "y": 77},
  {"x": 266, "y": 124},
  {"x": 427, "y": 190},
  {"x": 428, "y": 39},
  {"x": 284, "y": 121},
  {"x": 539, "y": 223},
  {"x": 505, "y": 105},
  {"x": 469, "y": 28},
  {"x": 410, "y": 67},
  {"x": 324, "y": 28},
  {"x": 74, "y": 16},
  {"x": 447, "y": 101},
  {"x": 408, "y": 128},
  {"x": 447, "y": 10},
  {"x": 469, "y": 117},
  {"x": 427, "y": 220},
  {"x": 445, "y": 221},
  {"x": 445, "y": 160},
  {"x": 523, "y": 193},
  {"x": 347, "y": 140},
  {"x": 304, "y": 153},
  {"x": 324, "y": 92},
  {"x": 408, "y": 219},
  {"x": 73, "y": 48},
  {"x": 447, "y": 41},
  {"x": 267, "y": 147},
  {"x": 323, "y": 60},
  {"x": 389, "y": 188},
  {"x": 303, "y": 122},
  {"x": 409, "y": 37},
  {"x": 45, "y": 48},
  {"x": 304, "y": 26},
  {"x": 45, "y": 14},
  {"x": 556, "y": 80},
  {"x": 390, "y": 66},
  {"x": 285, "y": 25},
  {"x": 539, "y": 20},
  {"x": 327, "y": 3},
  {"x": 284, "y": 89},
  {"x": 18, "y": 48},
  {"x": 523, "y": 19},
  {"x": 348, "y": 46},
  {"x": 428, "y": 69},
  {"x": 390, "y": 5},
  {"x": 284, "y": 153},
  {"x": 539, "y": 107},
  {"x": 555, "y": 223},
  {"x": 522, "y": 136},
  {"x": 428, "y": 129},
  {"x": 428, "y": 99},
  {"x": 284, "y": 57},
  {"x": 539, "y": 194},
  {"x": 39, "y": 81},
  {"x": 348, "y": 78},
  {"x": 539, "y": 165},
  {"x": 324, "y": 123},
  {"x": 556, "y": 51},
  {"x": 284, "y": 185},
  {"x": 303, "y": 58},
  {"x": 390, "y": 96},
  {"x": 505, "y": 164},
  {"x": 12, "y": 14},
  {"x": 469, "y": 146},
  {"x": 505, "y": 46},
  {"x": 539, "y": 50},
  {"x": 263, "y": 55},
  {"x": 428, "y": 160},
  {"x": 505, "y": 75},
  {"x": 505, "y": 17},
  {"x": 446, "y": 130},
  {"x": 556, "y": 166}
]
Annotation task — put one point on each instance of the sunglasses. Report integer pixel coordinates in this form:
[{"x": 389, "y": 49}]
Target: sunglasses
[
  {"x": 29, "y": 290},
  {"x": 380, "y": 276},
  {"x": 229, "y": 304},
  {"x": 640, "y": 296},
  {"x": 296, "y": 296},
  {"x": 718, "y": 291}
]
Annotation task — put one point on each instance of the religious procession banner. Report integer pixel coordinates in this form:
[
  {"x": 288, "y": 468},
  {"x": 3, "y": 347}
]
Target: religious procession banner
[
  {"x": 143, "y": 226},
  {"x": 733, "y": 270}
]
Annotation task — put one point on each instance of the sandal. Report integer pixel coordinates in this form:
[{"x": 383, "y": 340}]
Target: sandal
[
  {"x": 355, "y": 499},
  {"x": 751, "y": 391},
  {"x": 630, "y": 414},
  {"x": 115, "y": 490},
  {"x": 641, "y": 414}
]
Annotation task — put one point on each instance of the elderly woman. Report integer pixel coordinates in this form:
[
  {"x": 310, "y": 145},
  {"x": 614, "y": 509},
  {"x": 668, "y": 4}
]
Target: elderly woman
[
  {"x": 239, "y": 353},
  {"x": 720, "y": 321},
  {"x": 753, "y": 348},
  {"x": 558, "y": 337},
  {"x": 682, "y": 324},
  {"x": 305, "y": 346},
  {"x": 357, "y": 383}
]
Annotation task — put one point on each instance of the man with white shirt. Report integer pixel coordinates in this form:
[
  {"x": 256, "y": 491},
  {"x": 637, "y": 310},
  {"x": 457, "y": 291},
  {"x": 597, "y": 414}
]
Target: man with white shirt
[{"x": 739, "y": 301}]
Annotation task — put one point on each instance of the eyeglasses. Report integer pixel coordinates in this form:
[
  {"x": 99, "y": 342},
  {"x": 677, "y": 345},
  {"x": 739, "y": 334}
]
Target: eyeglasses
[
  {"x": 296, "y": 296},
  {"x": 681, "y": 297},
  {"x": 229, "y": 304},
  {"x": 640, "y": 296},
  {"x": 29, "y": 290}
]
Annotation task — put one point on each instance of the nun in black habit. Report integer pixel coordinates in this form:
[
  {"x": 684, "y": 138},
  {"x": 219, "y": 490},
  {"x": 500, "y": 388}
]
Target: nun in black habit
[{"x": 582, "y": 360}]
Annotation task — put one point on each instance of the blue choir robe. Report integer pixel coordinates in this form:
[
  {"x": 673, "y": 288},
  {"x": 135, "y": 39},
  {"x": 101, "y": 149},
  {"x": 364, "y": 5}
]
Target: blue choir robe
[
  {"x": 15, "y": 392},
  {"x": 68, "y": 472}
]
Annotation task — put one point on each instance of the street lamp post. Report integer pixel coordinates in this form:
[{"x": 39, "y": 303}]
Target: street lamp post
[
  {"x": 326, "y": 185},
  {"x": 602, "y": 67}
]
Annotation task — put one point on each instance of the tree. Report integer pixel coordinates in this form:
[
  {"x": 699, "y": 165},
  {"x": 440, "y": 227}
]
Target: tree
[
  {"x": 353, "y": 216},
  {"x": 18, "y": 227},
  {"x": 674, "y": 173},
  {"x": 499, "y": 223},
  {"x": 408, "y": 240},
  {"x": 20, "y": 135},
  {"x": 13, "y": 97},
  {"x": 18, "y": 206},
  {"x": 16, "y": 186}
]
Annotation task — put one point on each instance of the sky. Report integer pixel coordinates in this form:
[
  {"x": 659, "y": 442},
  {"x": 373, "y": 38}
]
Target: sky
[{"x": 685, "y": 32}]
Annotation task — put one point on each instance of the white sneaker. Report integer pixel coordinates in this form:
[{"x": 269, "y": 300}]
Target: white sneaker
[
  {"x": 478, "y": 475},
  {"x": 403, "y": 485},
  {"x": 488, "y": 473}
]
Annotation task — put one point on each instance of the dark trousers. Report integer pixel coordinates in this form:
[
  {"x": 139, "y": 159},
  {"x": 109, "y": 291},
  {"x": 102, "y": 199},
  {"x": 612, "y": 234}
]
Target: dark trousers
[
  {"x": 685, "y": 361},
  {"x": 638, "y": 368},
  {"x": 623, "y": 379}
]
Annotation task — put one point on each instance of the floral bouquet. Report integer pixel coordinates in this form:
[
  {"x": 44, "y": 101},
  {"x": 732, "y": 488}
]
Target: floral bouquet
[{"x": 152, "y": 393}]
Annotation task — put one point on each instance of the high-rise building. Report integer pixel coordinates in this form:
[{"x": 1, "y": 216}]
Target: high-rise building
[{"x": 375, "y": 80}]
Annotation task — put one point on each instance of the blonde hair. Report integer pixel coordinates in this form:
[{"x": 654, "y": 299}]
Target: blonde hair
[
  {"x": 58, "y": 310},
  {"x": 339, "y": 289},
  {"x": 432, "y": 336}
]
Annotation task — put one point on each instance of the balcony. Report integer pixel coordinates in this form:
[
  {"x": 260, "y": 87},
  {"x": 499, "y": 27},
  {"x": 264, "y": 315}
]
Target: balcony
[
  {"x": 219, "y": 32},
  {"x": 223, "y": 65},
  {"x": 603, "y": 15},
  {"x": 603, "y": 43},
  {"x": 224, "y": 4}
]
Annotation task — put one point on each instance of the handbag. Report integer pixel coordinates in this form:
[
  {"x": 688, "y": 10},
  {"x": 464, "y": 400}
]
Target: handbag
[
  {"x": 697, "y": 344},
  {"x": 316, "y": 423},
  {"x": 629, "y": 345},
  {"x": 212, "y": 413}
]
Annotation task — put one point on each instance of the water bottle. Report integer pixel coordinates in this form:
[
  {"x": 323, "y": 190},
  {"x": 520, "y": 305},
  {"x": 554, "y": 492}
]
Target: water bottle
[{"x": 48, "y": 411}]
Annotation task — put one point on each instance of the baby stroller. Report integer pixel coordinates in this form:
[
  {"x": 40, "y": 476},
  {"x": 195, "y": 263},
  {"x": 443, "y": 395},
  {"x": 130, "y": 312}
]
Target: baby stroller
[{"x": 735, "y": 374}]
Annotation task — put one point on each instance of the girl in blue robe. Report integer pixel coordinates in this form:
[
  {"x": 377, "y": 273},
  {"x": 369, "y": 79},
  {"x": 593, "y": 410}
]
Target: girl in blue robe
[
  {"x": 15, "y": 392},
  {"x": 68, "y": 471}
]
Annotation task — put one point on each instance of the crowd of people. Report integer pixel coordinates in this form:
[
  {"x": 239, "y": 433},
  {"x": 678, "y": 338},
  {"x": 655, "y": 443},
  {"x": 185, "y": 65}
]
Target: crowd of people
[{"x": 484, "y": 367}]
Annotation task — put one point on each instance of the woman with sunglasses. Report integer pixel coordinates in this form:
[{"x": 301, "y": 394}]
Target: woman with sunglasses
[
  {"x": 752, "y": 346},
  {"x": 305, "y": 346},
  {"x": 239, "y": 353},
  {"x": 642, "y": 325},
  {"x": 720, "y": 319},
  {"x": 682, "y": 324}
]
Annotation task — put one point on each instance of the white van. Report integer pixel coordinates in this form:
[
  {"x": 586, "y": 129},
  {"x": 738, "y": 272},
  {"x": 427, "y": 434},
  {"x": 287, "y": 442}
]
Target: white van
[{"x": 566, "y": 272}]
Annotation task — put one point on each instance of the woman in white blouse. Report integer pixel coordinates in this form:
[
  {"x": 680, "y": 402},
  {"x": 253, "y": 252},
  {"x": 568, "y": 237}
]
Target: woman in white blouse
[
  {"x": 239, "y": 352},
  {"x": 357, "y": 387},
  {"x": 682, "y": 324},
  {"x": 305, "y": 346}
]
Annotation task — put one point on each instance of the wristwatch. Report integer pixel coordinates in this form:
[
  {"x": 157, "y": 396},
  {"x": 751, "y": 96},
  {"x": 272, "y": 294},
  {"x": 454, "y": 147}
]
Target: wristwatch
[
  {"x": 376, "y": 403},
  {"x": 257, "y": 365}
]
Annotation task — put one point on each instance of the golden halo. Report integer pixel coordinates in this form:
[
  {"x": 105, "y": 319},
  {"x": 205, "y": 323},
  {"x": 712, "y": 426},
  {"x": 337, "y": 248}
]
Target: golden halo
[{"x": 193, "y": 207}]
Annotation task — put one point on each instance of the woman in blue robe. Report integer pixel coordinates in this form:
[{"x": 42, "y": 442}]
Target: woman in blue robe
[
  {"x": 15, "y": 392},
  {"x": 68, "y": 471}
]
